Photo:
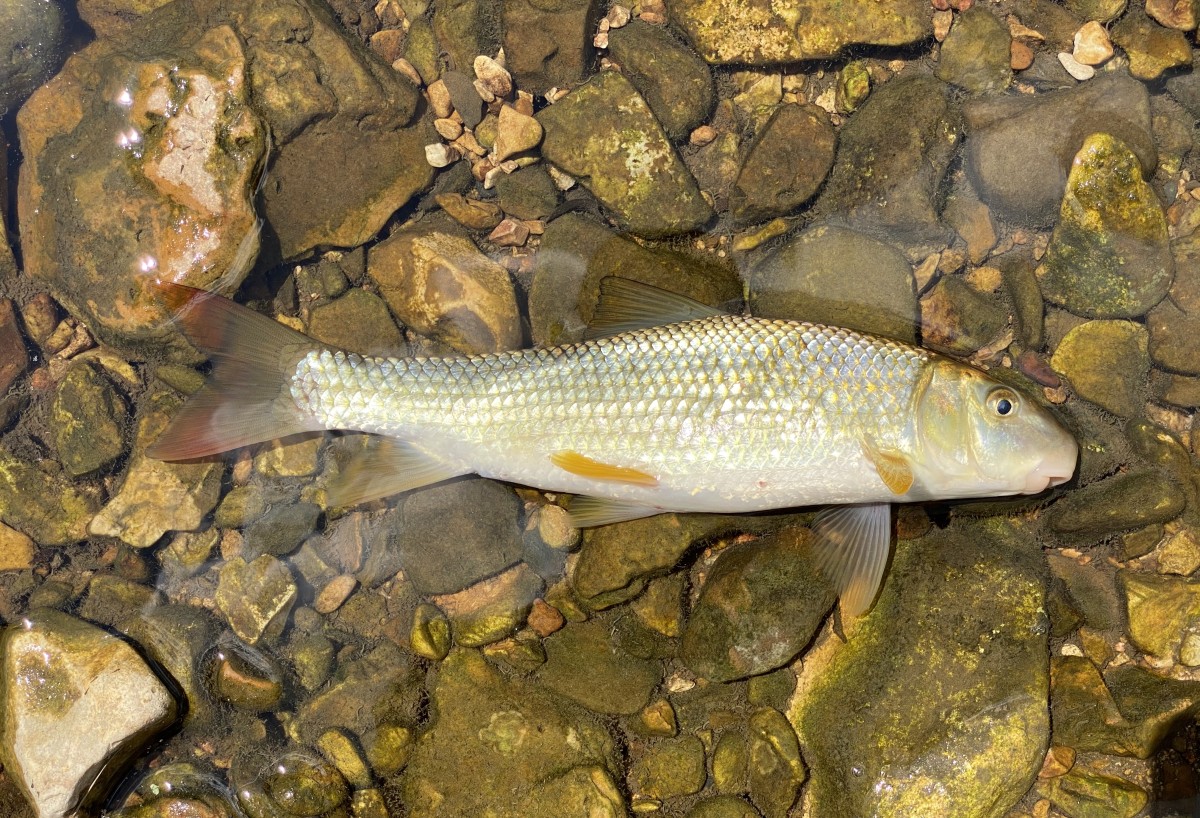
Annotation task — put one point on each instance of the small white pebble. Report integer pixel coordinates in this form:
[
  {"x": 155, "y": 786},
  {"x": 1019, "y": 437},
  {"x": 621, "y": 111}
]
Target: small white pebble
[
  {"x": 1075, "y": 68},
  {"x": 617, "y": 16},
  {"x": 439, "y": 154},
  {"x": 1070, "y": 649}
]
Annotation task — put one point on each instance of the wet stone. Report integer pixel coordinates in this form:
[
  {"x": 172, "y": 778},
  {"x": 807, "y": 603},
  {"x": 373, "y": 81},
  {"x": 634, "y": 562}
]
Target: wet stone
[
  {"x": 959, "y": 319},
  {"x": 675, "y": 83},
  {"x": 839, "y": 277},
  {"x": 14, "y": 358},
  {"x": 31, "y": 42},
  {"x": 976, "y": 55},
  {"x": 1092, "y": 592},
  {"x": 155, "y": 496},
  {"x": 357, "y": 322},
  {"x": 728, "y": 31},
  {"x": 42, "y": 506},
  {"x": 660, "y": 606},
  {"x": 584, "y": 665},
  {"x": 978, "y": 588},
  {"x": 1161, "y": 610},
  {"x": 111, "y": 600},
  {"x": 79, "y": 704},
  {"x": 723, "y": 806},
  {"x": 1109, "y": 255},
  {"x": 885, "y": 174},
  {"x": 301, "y": 784},
  {"x": 281, "y": 529},
  {"x": 509, "y": 733},
  {"x": 475, "y": 214},
  {"x": 549, "y": 45},
  {"x": 1152, "y": 49},
  {"x": 16, "y": 550},
  {"x": 529, "y": 193},
  {"x": 87, "y": 418},
  {"x": 669, "y": 769},
  {"x": 437, "y": 281},
  {"x": 289, "y": 458},
  {"x": 241, "y": 506},
  {"x": 632, "y": 169},
  {"x": 1179, "y": 554},
  {"x": 430, "y": 634},
  {"x": 1020, "y": 149},
  {"x": 256, "y": 597},
  {"x": 759, "y": 607},
  {"x": 1106, "y": 362},
  {"x": 175, "y": 636},
  {"x": 341, "y": 751},
  {"x": 785, "y": 165},
  {"x": 246, "y": 678},
  {"x": 456, "y": 534},
  {"x": 1123, "y": 501}
]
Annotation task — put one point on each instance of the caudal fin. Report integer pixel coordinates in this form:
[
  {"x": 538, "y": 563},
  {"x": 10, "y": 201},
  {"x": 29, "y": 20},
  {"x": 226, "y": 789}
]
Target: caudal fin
[{"x": 247, "y": 398}]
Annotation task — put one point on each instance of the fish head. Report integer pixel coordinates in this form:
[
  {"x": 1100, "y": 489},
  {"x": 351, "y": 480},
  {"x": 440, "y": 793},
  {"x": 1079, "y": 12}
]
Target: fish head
[{"x": 978, "y": 437}]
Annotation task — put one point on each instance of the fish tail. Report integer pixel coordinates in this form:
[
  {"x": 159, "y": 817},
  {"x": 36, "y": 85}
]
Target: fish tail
[{"x": 248, "y": 397}]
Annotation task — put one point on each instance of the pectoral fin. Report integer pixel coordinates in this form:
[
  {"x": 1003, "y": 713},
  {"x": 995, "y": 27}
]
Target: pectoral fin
[
  {"x": 852, "y": 544},
  {"x": 893, "y": 468},
  {"x": 584, "y": 466},
  {"x": 587, "y": 512},
  {"x": 386, "y": 467}
]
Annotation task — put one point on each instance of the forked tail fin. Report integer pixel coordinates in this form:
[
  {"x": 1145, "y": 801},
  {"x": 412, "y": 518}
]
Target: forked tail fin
[{"x": 248, "y": 396}]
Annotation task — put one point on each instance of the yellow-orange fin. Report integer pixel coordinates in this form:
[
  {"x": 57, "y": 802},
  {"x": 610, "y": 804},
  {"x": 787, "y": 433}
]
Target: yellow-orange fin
[
  {"x": 584, "y": 466},
  {"x": 852, "y": 545},
  {"x": 893, "y": 469}
]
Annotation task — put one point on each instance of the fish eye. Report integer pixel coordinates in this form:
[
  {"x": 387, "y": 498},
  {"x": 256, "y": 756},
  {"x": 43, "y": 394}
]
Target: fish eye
[{"x": 1003, "y": 402}]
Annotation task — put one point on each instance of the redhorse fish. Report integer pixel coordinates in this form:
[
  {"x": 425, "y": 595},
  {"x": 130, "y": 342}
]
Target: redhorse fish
[{"x": 671, "y": 406}]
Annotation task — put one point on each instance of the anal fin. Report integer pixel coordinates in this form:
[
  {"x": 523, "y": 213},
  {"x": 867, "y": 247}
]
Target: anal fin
[
  {"x": 588, "y": 512},
  {"x": 852, "y": 545},
  {"x": 385, "y": 467}
]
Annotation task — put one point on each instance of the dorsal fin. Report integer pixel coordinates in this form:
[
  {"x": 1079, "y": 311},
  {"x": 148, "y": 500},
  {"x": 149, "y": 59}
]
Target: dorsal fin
[{"x": 626, "y": 305}]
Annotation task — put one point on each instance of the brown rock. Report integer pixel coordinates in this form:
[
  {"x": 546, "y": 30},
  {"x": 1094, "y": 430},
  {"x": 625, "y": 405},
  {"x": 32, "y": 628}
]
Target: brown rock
[
  {"x": 549, "y": 44},
  {"x": 786, "y": 164},
  {"x": 1177, "y": 14},
  {"x": 13, "y": 356},
  {"x": 1092, "y": 46},
  {"x": 515, "y": 133},
  {"x": 1020, "y": 56},
  {"x": 1152, "y": 49},
  {"x": 472, "y": 213},
  {"x": 438, "y": 282}
]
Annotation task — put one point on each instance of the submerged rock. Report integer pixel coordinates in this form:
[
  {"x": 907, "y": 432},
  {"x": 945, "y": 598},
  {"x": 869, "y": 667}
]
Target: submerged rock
[
  {"x": 576, "y": 253},
  {"x": 548, "y": 44},
  {"x": 32, "y": 34},
  {"x": 1123, "y": 501},
  {"x": 1019, "y": 149},
  {"x": 676, "y": 84},
  {"x": 437, "y": 281},
  {"x": 759, "y": 607},
  {"x": 87, "y": 419},
  {"x": 976, "y": 55},
  {"x": 45, "y": 507},
  {"x": 731, "y": 31},
  {"x": 511, "y": 734},
  {"x": 1107, "y": 363},
  {"x": 78, "y": 704},
  {"x": 627, "y": 161},
  {"x": 786, "y": 164},
  {"x": 891, "y": 158},
  {"x": 841, "y": 277},
  {"x": 1109, "y": 256},
  {"x": 1152, "y": 49},
  {"x": 959, "y": 619},
  {"x": 584, "y": 665}
]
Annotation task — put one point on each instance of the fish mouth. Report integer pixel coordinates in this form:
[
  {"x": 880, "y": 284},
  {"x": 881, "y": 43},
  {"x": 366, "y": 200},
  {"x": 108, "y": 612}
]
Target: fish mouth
[{"x": 1054, "y": 470}]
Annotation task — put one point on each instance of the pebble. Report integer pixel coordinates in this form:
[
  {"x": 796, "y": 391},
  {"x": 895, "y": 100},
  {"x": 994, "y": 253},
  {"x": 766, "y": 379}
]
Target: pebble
[
  {"x": 1179, "y": 554},
  {"x": 255, "y": 597},
  {"x": 544, "y": 618},
  {"x": 510, "y": 233},
  {"x": 515, "y": 133},
  {"x": 439, "y": 99},
  {"x": 334, "y": 593},
  {"x": 1092, "y": 46},
  {"x": 942, "y": 20},
  {"x": 439, "y": 154},
  {"x": 1075, "y": 68},
  {"x": 1020, "y": 56},
  {"x": 16, "y": 550},
  {"x": 450, "y": 129},
  {"x": 473, "y": 213},
  {"x": 1177, "y": 14},
  {"x": 494, "y": 79}
]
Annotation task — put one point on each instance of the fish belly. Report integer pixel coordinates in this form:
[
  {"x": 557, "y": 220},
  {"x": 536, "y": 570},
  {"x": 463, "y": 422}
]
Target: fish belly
[{"x": 725, "y": 414}]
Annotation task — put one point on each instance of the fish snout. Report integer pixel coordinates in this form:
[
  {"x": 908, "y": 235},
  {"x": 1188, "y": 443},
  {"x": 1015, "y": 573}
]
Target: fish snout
[{"x": 1056, "y": 468}]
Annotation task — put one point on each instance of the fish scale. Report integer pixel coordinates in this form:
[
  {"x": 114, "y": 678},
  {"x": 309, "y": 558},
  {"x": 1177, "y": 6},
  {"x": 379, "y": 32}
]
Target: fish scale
[{"x": 750, "y": 394}]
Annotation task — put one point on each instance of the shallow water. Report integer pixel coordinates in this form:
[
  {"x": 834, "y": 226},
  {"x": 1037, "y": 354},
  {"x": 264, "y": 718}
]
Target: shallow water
[{"x": 461, "y": 649}]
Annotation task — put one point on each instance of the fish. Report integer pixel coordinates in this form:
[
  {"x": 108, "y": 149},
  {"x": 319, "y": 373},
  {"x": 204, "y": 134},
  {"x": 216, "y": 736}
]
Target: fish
[{"x": 667, "y": 405}]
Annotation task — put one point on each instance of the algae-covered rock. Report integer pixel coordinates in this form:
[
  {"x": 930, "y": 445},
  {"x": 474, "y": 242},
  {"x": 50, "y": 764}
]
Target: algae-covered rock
[
  {"x": 584, "y": 665},
  {"x": 891, "y": 158},
  {"x": 256, "y": 597},
  {"x": 1109, "y": 256},
  {"x": 1118, "y": 503},
  {"x": 761, "y": 33},
  {"x": 493, "y": 608},
  {"x": 759, "y": 607},
  {"x": 1161, "y": 611},
  {"x": 976, "y": 56},
  {"x": 675, "y": 82},
  {"x": 87, "y": 420},
  {"x": 785, "y": 166},
  {"x": 1152, "y": 49},
  {"x": 831, "y": 275},
  {"x": 960, "y": 619},
  {"x": 1083, "y": 793},
  {"x": 576, "y": 253},
  {"x": 626, "y": 160},
  {"x": 669, "y": 769},
  {"x": 1107, "y": 363},
  {"x": 40, "y": 505},
  {"x": 776, "y": 769},
  {"x": 512, "y": 735},
  {"x": 959, "y": 319},
  {"x": 548, "y": 44},
  {"x": 359, "y": 322}
]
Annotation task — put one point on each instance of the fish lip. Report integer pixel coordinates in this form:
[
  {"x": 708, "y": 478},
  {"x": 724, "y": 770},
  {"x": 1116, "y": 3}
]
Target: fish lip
[{"x": 1054, "y": 470}]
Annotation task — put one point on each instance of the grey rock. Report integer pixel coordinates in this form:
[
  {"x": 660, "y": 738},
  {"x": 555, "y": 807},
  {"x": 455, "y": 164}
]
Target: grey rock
[
  {"x": 1019, "y": 149},
  {"x": 359, "y": 322},
  {"x": 1118, "y": 503},
  {"x": 980, "y": 589},
  {"x": 529, "y": 193},
  {"x": 891, "y": 158},
  {"x": 78, "y": 705},
  {"x": 760, "y": 606},
  {"x": 840, "y": 277},
  {"x": 549, "y": 44}
]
